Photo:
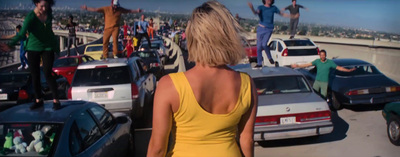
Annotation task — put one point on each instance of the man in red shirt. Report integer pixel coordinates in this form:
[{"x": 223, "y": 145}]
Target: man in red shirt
[{"x": 112, "y": 15}]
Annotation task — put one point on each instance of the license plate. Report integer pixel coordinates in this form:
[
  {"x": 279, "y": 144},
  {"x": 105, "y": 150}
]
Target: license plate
[
  {"x": 98, "y": 95},
  {"x": 3, "y": 96},
  {"x": 288, "y": 120}
]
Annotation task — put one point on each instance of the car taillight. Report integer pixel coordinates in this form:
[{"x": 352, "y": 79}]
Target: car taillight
[
  {"x": 285, "y": 52},
  {"x": 101, "y": 66},
  {"x": 318, "y": 50},
  {"x": 313, "y": 116},
  {"x": 69, "y": 95},
  {"x": 267, "y": 120},
  {"x": 22, "y": 94},
  {"x": 301, "y": 117},
  {"x": 134, "y": 91},
  {"x": 154, "y": 65},
  {"x": 358, "y": 92},
  {"x": 393, "y": 89}
]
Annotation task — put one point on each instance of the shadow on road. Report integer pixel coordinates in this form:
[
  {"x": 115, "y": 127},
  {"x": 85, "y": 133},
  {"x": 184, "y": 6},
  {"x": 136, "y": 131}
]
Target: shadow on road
[
  {"x": 366, "y": 107},
  {"x": 340, "y": 128}
]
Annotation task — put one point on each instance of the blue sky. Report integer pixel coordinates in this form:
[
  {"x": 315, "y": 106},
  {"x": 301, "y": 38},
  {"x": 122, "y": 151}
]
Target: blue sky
[{"x": 380, "y": 15}]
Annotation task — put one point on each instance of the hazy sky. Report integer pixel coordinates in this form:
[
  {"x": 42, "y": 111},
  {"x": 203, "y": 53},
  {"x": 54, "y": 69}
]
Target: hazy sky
[{"x": 381, "y": 15}]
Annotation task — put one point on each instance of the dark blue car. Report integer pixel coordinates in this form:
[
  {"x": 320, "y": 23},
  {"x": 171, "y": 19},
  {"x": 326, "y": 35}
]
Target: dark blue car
[{"x": 79, "y": 129}]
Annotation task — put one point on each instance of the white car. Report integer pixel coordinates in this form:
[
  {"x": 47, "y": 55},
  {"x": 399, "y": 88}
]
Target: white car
[
  {"x": 287, "y": 105},
  {"x": 120, "y": 85},
  {"x": 291, "y": 51}
]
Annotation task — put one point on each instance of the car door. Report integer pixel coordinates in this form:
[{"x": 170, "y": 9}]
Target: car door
[
  {"x": 118, "y": 140},
  {"x": 86, "y": 138}
]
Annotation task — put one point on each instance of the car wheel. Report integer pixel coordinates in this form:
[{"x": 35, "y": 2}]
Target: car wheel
[
  {"x": 335, "y": 103},
  {"x": 276, "y": 64},
  {"x": 393, "y": 130}
]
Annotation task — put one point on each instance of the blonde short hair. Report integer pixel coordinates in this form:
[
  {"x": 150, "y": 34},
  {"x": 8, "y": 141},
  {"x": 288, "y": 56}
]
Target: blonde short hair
[{"x": 213, "y": 36}]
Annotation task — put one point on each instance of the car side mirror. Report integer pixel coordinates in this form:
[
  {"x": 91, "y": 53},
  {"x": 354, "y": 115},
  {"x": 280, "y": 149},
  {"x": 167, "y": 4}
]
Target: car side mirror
[{"x": 121, "y": 120}]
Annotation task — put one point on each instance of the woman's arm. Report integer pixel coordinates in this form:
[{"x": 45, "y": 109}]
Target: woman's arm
[
  {"x": 22, "y": 32},
  {"x": 164, "y": 97},
  {"x": 246, "y": 125},
  {"x": 255, "y": 12}
]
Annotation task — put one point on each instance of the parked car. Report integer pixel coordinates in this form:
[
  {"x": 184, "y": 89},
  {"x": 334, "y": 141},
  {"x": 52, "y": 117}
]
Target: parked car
[
  {"x": 78, "y": 129},
  {"x": 120, "y": 85},
  {"x": 66, "y": 66},
  {"x": 17, "y": 88},
  {"x": 391, "y": 113},
  {"x": 250, "y": 46},
  {"x": 365, "y": 85},
  {"x": 152, "y": 60},
  {"x": 287, "y": 105},
  {"x": 94, "y": 50},
  {"x": 157, "y": 45},
  {"x": 290, "y": 51}
]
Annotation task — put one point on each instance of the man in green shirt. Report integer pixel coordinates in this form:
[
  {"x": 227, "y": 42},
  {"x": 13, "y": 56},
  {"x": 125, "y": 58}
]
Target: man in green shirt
[{"x": 323, "y": 66}]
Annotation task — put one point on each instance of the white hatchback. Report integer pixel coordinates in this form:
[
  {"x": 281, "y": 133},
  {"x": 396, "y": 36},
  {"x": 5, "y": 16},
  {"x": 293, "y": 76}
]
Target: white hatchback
[
  {"x": 291, "y": 51},
  {"x": 287, "y": 105}
]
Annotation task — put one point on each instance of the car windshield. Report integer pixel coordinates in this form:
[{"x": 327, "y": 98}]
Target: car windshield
[
  {"x": 16, "y": 138},
  {"x": 281, "y": 84},
  {"x": 13, "y": 78},
  {"x": 298, "y": 43},
  {"x": 153, "y": 45},
  {"x": 66, "y": 62},
  {"x": 101, "y": 76},
  {"x": 94, "y": 48},
  {"x": 145, "y": 54},
  {"x": 360, "y": 70}
]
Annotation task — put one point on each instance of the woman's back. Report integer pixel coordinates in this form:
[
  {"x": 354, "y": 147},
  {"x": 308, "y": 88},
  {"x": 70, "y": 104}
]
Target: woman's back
[{"x": 211, "y": 104}]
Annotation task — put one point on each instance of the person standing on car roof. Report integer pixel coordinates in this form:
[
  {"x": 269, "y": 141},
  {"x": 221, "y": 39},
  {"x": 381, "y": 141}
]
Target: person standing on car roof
[
  {"x": 42, "y": 45},
  {"x": 142, "y": 31},
  {"x": 264, "y": 30},
  {"x": 22, "y": 52},
  {"x": 324, "y": 66},
  {"x": 294, "y": 14},
  {"x": 71, "y": 35},
  {"x": 112, "y": 16},
  {"x": 207, "y": 117}
]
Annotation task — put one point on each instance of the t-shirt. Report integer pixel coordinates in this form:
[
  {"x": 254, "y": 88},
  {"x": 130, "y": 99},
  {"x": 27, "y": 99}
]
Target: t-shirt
[
  {"x": 266, "y": 15},
  {"x": 125, "y": 30},
  {"x": 294, "y": 10},
  {"x": 111, "y": 18},
  {"x": 323, "y": 69},
  {"x": 143, "y": 25},
  {"x": 71, "y": 29}
]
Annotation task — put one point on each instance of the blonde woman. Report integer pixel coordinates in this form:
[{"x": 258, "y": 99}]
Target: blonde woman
[{"x": 210, "y": 109}]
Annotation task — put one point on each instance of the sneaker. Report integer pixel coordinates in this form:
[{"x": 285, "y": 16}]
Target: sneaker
[
  {"x": 271, "y": 61},
  {"x": 291, "y": 37},
  {"x": 56, "y": 105},
  {"x": 26, "y": 66},
  {"x": 258, "y": 66},
  {"x": 115, "y": 57},
  {"x": 36, "y": 105},
  {"x": 20, "y": 67}
]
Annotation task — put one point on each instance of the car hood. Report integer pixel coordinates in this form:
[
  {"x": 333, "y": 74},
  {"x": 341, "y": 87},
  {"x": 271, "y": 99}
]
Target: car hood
[{"x": 343, "y": 84}]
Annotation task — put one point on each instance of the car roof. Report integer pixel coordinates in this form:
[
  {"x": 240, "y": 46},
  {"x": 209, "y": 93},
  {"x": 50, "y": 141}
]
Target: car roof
[
  {"x": 350, "y": 61},
  {"x": 111, "y": 62},
  {"x": 269, "y": 71},
  {"x": 22, "y": 113},
  {"x": 80, "y": 56}
]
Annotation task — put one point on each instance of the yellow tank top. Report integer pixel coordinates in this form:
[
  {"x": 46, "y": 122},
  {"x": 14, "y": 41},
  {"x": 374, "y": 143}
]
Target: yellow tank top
[{"x": 196, "y": 132}]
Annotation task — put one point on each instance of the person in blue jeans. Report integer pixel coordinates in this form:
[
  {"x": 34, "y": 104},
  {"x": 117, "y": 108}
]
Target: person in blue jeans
[
  {"x": 265, "y": 27},
  {"x": 22, "y": 52}
]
